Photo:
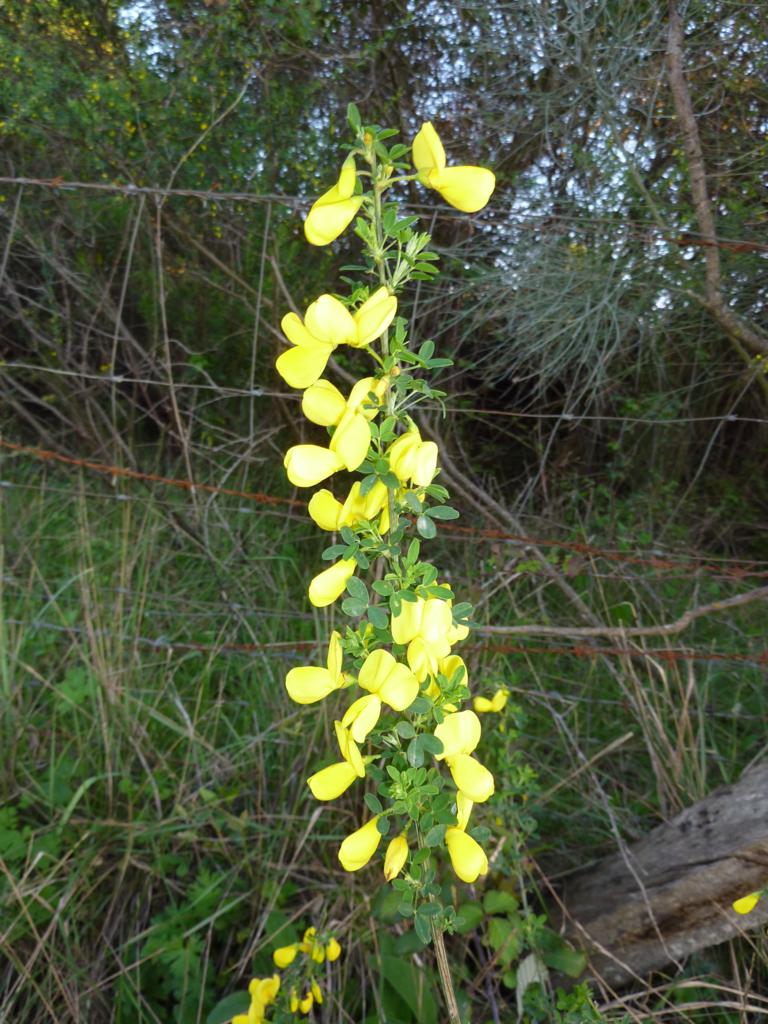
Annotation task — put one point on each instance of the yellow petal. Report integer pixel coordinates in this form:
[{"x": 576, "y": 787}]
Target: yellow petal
[
  {"x": 374, "y": 316},
  {"x": 471, "y": 778},
  {"x": 334, "y": 210},
  {"x": 428, "y": 152},
  {"x": 325, "y": 510},
  {"x": 401, "y": 454},
  {"x": 746, "y": 904},
  {"x": 352, "y": 439},
  {"x": 395, "y": 857},
  {"x": 467, "y": 856},
  {"x": 436, "y": 620},
  {"x": 459, "y": 733},
  {"x": 362, "y": 716},
  {"x": 449, "y": 667},
  {"x": 317, "y": 994},
  {"x": 400, "y": 689},
  {"x": 376, "y": 667},
  {"x": 499, "y": 700},
  {"x": 309, "y": 464},
  {"x": 349, "y": 749},
  {"x": 323, "y": 403},
  {"x": 463, "y": 810},
  {"x": 405, "y": 625},
  {"x": 456, "y": 633},
  {"x": 285, "y": 955},
  {"x": 333, "y": 950},
  {"x": 297, "y": 333},
  {"x": 305, "y": 1005},
  {"x": 332, "y": 781},
  {"x": 422, "y": 658},
  {"x": 375, "y": 500},
  {"x": 335, "y": 656},
  {"x": 482, "y": 705},
  {"x": 424, "y": 465},
  {"x": 466, "y": 188},
  {"x": 330, "y": 584},
  {"x": 358, "y": 848},
  {"x": 359, "y": 398},
  {"x": 308, "y": 684},
  {"x": 330, "y": 321},
  {"x": 300, "y": 367}
]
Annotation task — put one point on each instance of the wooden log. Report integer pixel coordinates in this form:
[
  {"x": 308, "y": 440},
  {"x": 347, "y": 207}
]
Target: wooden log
[{"x": 670, "y": 894}]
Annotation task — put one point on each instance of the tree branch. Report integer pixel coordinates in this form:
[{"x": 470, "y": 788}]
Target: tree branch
[
  {"x": 742, "y": 334},
  {"x": 668, "y": 629}
]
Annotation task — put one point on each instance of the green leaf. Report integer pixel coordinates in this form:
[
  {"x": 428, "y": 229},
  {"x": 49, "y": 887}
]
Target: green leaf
[
  {"x": 496, "y": 901},
  {"x": 559, "y": 955},
  {"x": 353, "y": 116},
  {"x": 412, "y": 554},
  {"x": 422, "y": 928},
  {"x": 228, "y": 1007},
  {"x": 357, "y": 589},
  {"x": 382, "y": 826},
  {"x": 413, "y": 986},
  {"x": 413, "y": 503},
  {"x": 470, "y": 915},
  {"x": 415, "y": 753},
  {"x": 435, "y": 836},
  {"x": 382, "y": 587},
  {"x": 426, "y": 527},
  {"x": 405, "y": 730},
  {"x": 377, "y": 617},
  {"x": 373, "y": 802},
  {"x": 354, "y": 608},
  {"x": 431, "y": 909},
  {"x": 442, "y": 512},
  {"x": 430, "y": 744}
]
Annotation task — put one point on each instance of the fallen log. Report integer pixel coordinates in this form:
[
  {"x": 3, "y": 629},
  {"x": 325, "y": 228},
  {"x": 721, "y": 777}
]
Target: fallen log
[{"x": 661, "y": 899}]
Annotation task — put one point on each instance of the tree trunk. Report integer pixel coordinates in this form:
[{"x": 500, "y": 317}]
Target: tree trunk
[{"x": 670, "y": 894}]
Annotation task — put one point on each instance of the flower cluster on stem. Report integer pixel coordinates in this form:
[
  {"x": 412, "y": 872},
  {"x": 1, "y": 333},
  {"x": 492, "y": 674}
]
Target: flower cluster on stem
[{"x": 404, "y": 725}]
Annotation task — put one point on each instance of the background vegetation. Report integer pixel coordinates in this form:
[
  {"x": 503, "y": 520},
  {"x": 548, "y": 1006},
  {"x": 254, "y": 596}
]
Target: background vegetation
[{"x": 156, "y": 836}]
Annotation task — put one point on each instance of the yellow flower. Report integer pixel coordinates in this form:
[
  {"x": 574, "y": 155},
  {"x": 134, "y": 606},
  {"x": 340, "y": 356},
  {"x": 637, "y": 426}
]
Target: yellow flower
[
  {"x": 349, "y": 749},
  {"x": 305, "y": 1004},
  {"x": 497, "y": 703},
  {"x": 316, "y": 992},
  {"x": 468, "y": 858},
  {"x": 333, "y": 950},
  {"x": 262, "y": 991},
  {"x": 334, "y": 210},
  {"x": 330, "y": 514},
  {"x": 412, "y": 459},
  {"x": 327, "y": 323},
  {"x": 460, "y": 733},
  {"x": 466, "y": 188},
  {"x": 747, "y": 904},
  {"x": 324, "y": 404},
  {"x": 383, "y": 675},
  {"x": 310, "y": 683},
  {"x": 329, "y": 783},
  {"x": 427, "y": 627},
  {"x": 308, "y": 464},
  {"x": 285, "y": 955},
  {"x": 358, "y": 848},
  {"x": 395, "y": 857},
  {"x": 329, "y": 584},
  {"x": 362, "y": 716}
]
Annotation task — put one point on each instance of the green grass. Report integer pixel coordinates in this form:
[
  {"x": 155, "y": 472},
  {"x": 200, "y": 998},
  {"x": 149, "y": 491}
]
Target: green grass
[{"x": 157, "y": 839}]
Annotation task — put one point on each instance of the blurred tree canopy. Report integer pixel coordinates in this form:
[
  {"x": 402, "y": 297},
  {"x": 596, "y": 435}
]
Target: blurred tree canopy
[{"x": 577, "y": 298}]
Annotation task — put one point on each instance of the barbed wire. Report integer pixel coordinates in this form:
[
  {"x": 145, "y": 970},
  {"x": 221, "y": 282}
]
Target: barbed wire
[
  {"x": 732, "y": 568},
  {"x": 226, "y": 391},
  {"x": 288, "y": 648},
  {"x": 294, "y": 202}
]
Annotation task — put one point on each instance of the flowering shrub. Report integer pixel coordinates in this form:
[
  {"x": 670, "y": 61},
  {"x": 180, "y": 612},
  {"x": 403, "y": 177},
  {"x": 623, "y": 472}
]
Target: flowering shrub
[{"x": 404, "y": 725}]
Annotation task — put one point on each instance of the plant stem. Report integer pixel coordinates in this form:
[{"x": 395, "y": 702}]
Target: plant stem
[
  {"x": 444, "y": 969},
  {"x": 441, "y": 954}
]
